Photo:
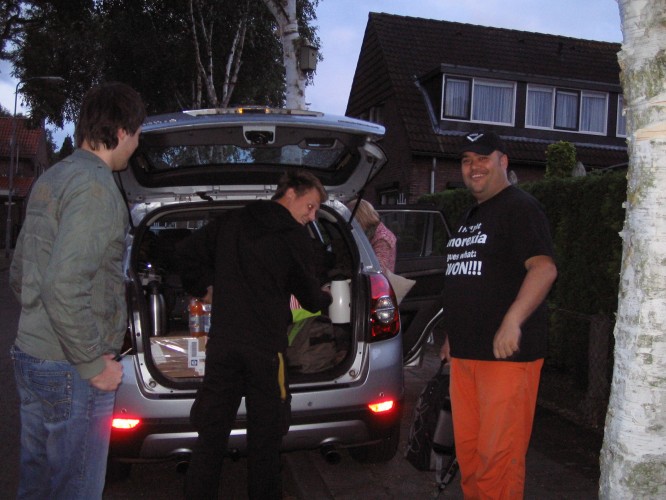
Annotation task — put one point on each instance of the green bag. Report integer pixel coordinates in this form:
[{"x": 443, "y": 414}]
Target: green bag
[{"x": 312, "y": 345}]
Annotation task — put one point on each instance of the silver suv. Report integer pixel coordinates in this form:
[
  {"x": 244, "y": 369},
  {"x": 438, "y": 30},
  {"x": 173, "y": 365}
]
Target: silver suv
[{"x": 190, "y": 167}]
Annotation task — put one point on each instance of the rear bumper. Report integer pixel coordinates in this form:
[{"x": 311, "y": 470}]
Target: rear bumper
[
  {"x": 334, "y": 413},
  {"x": 163, "y": 438}
]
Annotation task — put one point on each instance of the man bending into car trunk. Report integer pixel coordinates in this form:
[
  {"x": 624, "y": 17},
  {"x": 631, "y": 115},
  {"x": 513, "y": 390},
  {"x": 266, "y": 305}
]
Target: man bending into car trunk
[{"x": 254, "y": 258}]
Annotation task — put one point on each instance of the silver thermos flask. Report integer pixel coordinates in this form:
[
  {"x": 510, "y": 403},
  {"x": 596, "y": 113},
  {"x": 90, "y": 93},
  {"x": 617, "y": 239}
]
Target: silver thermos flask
[{"x": 157, "y": 308}]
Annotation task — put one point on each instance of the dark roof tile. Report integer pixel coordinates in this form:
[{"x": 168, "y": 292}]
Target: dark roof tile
[
  {"x": 22, "y": 185},
  {"x": 28, "y": 139}
]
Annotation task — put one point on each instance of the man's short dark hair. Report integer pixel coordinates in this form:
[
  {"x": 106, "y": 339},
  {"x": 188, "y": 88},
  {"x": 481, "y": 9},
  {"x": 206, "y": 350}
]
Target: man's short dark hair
[
  {"x": 105, "y": 109},
  {"x": 301, "y": 181}
]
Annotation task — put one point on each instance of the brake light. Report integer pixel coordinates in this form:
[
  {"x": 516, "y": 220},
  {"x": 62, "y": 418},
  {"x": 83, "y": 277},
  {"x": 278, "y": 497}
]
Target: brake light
[
  {"x": 125, "y": 423},
  {"x": 384, "y": 313},
  {"x": 382, "y": 407}
]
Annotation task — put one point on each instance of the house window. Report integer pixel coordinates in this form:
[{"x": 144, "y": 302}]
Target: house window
[
  {"x": 493, "y": 102},
  {"x": 390, "y": 197},
  {"x": 539, "y": 107},
  {"x": 566, "y": 110},
  {"x": 553, "y": 108},
  {"x": 457, "y": 97},
  {"x": 621, "y": 130},
  {"x": 593, "y": 112},
  {"x": 476, "y": 100},
  {"x": 376, "y": 114}
]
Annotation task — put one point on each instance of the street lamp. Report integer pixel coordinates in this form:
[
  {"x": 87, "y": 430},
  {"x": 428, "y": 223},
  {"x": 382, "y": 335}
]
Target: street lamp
[{"x": 13, "y": 157}]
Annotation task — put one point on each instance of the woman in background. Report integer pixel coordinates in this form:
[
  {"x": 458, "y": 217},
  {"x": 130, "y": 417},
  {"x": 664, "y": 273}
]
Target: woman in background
[{"x": 381, "y": 238}]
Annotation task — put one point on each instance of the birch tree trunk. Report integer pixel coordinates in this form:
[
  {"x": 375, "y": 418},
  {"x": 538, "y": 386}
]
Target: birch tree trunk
[
  {"x": 202, "y": 21},
  {"x": 633, "y": 455},
  {"x": 284, "y": 12},
  {"x": 234, "y": 62},
  {"x": 204, "y": 61}
]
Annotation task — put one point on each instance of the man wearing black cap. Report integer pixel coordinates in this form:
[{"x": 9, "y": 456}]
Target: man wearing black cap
[{"x": 499, "y": 271}]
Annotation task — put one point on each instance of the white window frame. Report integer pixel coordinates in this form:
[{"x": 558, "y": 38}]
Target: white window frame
[
  {"x": 621, "y": 122},
  {"x": 559, "y": 93},
  {"x": 468, "y": 98},
  {"x": 588, "y": 94},
  {"x": 581, "y": 96},
  {"x": 551, "y": 118},
  {"x": 472, "y": 99},
  {"x": 499, "y": 84}
]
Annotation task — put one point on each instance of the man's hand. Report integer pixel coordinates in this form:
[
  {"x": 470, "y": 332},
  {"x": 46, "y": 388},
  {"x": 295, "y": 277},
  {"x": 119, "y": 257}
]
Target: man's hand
[
  {"x": 110, "y": 378},
  {"x": 507, "y": 340},
  {"x": 208, "y": 298},
  {"x": 541, "y": 273},
  {"x": 445, "y": 351}
]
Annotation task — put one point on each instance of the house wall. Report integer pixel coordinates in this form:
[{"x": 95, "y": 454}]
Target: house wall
[{"x": 397, "y": 172}]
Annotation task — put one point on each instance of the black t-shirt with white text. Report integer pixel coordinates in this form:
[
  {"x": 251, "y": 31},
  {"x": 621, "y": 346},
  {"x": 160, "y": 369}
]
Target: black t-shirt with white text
[{"x": 485, "y": 270}]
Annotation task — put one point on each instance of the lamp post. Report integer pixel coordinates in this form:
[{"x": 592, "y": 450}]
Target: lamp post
[{"x": 13, "y": 158}]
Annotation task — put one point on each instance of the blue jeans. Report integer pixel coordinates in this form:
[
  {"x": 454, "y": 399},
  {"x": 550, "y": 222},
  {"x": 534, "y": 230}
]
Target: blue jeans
[{"x": 65, "y": 429}]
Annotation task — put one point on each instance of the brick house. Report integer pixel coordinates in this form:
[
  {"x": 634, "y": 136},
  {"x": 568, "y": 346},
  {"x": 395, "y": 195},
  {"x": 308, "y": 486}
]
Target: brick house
[
  {"x": 429, "y": 82},
  {"x": 32, "y": 161}
]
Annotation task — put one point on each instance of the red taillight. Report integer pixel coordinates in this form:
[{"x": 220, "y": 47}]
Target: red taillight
[
  {"x": 384, "y": 314},
  {"x": 382, "y": 407},
  {"x": 125, "y": 423}
]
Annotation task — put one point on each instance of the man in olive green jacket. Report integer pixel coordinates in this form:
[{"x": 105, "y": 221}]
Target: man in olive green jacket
[{"x": 67, "y": 275}]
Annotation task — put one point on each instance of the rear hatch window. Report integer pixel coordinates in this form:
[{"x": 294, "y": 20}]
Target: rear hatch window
[{"x": 220, "y": 153}]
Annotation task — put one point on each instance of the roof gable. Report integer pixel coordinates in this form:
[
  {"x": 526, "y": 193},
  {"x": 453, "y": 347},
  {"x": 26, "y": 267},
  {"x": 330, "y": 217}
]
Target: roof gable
[{"x": 399, "y": 53}]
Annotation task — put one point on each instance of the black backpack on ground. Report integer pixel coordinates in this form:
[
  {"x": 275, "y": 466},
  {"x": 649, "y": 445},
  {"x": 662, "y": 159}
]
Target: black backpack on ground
[{"x": 430, "y": 444}]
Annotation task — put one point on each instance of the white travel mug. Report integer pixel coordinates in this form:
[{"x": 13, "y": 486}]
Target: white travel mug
[{"x": 340, "y": 309}]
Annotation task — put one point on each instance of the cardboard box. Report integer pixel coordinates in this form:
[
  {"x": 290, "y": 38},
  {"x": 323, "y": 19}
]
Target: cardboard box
[
  {"x": 196, "y": 354},
  {"x": 179, "y": 357}
]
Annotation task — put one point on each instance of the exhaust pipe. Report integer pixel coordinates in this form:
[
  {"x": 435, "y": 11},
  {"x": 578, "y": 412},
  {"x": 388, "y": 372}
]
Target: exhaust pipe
[
  {"x": 330, "y": 454},
  {"x": 182, "y": 462}
]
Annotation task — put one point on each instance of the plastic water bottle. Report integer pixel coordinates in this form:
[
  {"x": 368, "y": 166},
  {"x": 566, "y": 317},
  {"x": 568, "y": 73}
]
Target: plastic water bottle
[
  {"x": 196, "y": 318},
  {"x": 207, "y": 308}
]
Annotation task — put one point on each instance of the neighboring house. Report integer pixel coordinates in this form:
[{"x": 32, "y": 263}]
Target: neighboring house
[
  {"x": 32, "y": 161},
  {"x": 430, "y": 82}
]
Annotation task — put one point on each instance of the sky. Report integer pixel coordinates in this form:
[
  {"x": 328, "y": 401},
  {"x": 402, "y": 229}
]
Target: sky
[{"x": 342, "y": 24}]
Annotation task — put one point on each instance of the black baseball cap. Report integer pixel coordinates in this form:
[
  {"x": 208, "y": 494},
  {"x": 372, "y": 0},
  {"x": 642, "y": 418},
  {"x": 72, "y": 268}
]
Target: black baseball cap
[{"x": 482, "y": 143}]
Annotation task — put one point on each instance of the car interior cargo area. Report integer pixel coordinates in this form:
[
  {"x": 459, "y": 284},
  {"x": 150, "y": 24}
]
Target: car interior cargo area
[{"x": 174, "y": 326}]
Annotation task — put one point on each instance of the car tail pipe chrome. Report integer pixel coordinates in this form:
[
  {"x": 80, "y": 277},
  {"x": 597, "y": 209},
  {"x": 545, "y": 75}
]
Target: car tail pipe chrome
[
  {"x": 330, "y": 453},
  {"x": 183, "y": 462}
]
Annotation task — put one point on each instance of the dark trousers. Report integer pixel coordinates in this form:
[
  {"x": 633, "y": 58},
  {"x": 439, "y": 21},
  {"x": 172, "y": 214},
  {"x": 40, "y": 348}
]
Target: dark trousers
[{"x": 233, "y": 372}]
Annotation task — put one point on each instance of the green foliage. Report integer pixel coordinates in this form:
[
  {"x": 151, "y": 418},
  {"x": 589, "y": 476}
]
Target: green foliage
[
  {"x": 454, "y": 202},
  {"x": 560, "y": 159},
  {"x": 10, "y": 20},
  {"x": 66, "y": 149},
  {"x": 586, "y": 215},
  {"x": 149, "y": 44}
]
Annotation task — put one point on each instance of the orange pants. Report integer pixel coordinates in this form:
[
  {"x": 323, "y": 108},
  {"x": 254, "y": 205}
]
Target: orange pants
[{"x": 493, "y": 405}]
